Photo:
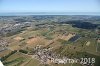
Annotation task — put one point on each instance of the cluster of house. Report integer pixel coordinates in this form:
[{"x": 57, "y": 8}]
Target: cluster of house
[
  {"x": 46, "y": 56},
  {"x": 12, "y": 28},
  {"x": 3, "y": 44}
]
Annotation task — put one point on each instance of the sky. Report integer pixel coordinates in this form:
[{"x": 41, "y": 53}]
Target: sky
[{"x": 49, "y": 6}]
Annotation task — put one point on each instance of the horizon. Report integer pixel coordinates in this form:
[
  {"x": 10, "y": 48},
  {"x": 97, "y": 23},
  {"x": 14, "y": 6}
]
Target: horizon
[{"x": 49, "y": 13}]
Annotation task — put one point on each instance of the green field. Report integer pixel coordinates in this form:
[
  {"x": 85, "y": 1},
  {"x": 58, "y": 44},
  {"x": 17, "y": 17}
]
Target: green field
[{"x": 55, "y": 35}]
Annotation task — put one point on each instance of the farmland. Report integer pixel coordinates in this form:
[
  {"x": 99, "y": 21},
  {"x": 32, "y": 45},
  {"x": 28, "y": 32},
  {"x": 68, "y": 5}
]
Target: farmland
[{"x": 48, "y": 40}]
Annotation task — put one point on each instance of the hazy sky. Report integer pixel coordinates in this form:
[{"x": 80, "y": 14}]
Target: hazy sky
[{"x": 49, "y": 6}]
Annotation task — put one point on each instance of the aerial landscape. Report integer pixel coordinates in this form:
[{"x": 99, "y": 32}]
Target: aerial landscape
[
  {"x": 49, "y": 33},
  {"x": 48, "y": 40}
]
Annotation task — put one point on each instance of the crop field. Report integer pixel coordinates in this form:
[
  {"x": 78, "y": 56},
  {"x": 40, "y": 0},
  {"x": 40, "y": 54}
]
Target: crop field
[
  {"x": 48, "y": 43},
  {"x": 98, "y": 47}
]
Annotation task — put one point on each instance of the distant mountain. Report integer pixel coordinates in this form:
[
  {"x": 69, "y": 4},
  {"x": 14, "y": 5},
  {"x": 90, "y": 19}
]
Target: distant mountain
[{"x": 48, "y": 13}]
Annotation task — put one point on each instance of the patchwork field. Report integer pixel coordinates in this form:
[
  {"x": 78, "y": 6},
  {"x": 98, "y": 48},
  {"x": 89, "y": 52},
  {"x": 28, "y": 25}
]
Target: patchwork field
[{"x": 47, "y": 43}]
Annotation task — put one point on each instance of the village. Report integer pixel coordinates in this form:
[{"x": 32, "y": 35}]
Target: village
[{"x": 46, "y": 56}]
